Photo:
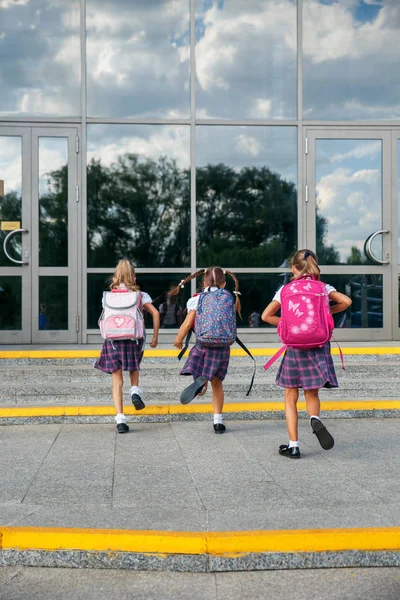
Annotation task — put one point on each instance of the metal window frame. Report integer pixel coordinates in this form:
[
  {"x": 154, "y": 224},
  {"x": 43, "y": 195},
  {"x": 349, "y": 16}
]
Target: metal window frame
[{"x": 82, "y": 120}]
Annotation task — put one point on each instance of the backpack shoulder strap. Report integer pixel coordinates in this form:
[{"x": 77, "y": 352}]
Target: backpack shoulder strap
[
  {"x": 238, "y": 341},
  {"x": 275, "y": 357},
  {"x": 186, "y": 344}
]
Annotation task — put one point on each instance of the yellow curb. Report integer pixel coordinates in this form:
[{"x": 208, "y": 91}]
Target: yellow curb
[
  {"x": 62, "y": 354},
  {"x": 216, "y": 543},
  {"x": 177, "y": 409}
]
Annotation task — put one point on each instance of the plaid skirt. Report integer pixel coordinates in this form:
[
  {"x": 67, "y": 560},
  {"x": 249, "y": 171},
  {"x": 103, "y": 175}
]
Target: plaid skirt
[
  {"x": 208, "y": 362},
  {"x": 308, "y": 369},
  {"x": 122, "y": 354}
]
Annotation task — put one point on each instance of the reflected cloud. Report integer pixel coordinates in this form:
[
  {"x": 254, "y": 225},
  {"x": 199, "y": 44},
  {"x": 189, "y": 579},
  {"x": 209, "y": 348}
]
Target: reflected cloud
[
  {"x": 138, "y": 58},
  {"x": 40, "y": 57},
  {"x": 349, "y": 48},
  {"x": 246, "y": 58}
]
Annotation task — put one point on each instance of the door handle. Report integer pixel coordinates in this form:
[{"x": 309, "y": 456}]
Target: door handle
[
  {"x": 6, "y": 240},
  {"x": 368, "y": 249}
]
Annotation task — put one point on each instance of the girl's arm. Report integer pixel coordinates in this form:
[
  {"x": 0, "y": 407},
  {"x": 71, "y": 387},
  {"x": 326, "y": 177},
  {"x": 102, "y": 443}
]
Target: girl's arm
[
  {"x": 184, "y": 329},
  {"x": 342, "y": 302},
  {"x": 156, "y": 322},
  {"x": 270, "y": 311}
]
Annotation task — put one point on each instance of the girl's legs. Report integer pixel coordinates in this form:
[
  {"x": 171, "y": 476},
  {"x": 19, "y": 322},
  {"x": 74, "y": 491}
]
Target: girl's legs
[
  {"x": 218, "y": 404},
  {"x": 291, "y": 397},
  {"x": 313, "y": 410},
  {"x": 134, "y": 375},
  {"x": 117, "y": 381},
  {"x": 135, "y": 392},
  {"x": 312, "y": 403}
]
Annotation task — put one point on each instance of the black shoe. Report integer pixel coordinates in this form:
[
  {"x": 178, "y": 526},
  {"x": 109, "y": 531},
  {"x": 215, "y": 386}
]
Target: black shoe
[
  {"x": 219, "y": 428},
  {"x": 324, "y": 437},
  {"x": 192, "y": 390},
  {"x": 293, "y": 452},
  {"x": 137, "y": 402},
  {"x": 122, "y": 428}
]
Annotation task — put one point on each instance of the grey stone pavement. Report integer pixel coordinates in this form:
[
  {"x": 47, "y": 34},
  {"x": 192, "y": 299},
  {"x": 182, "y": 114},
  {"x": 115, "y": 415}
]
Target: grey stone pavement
[
  {"x": 181, "y": 476},
  {"x": 324, "y": 584}
]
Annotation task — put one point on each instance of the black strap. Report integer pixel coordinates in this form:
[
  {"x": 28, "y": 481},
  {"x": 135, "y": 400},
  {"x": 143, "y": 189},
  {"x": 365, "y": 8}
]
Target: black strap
[
  {"x": 186, "y": 345},
  {"x": 252, "y": 357}
]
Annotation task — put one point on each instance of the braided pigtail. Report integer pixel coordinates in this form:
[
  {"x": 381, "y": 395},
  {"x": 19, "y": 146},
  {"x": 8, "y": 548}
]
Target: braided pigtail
[
  {"x": 175, "y": 291},
  {"x": 238, "y": 306}
]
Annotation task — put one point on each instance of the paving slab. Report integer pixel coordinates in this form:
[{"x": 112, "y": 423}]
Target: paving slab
[
  {"x": 167, "y": 471},
  {"x": 322, "y": 584}
]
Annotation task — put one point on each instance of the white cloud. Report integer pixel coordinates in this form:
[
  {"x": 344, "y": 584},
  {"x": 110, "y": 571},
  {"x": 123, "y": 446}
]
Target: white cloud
[
  {"x": 246, "y": 144},
  {"x": 10, "y": 163},
  {"x": 365, "y": 149},
  {"x": 172, "y": 142}
]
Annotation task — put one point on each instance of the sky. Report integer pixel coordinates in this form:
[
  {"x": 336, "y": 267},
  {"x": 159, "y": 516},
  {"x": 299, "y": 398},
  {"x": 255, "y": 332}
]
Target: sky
[
  {"x": 138, "y": 65},
  {"x": 138, "y": 58}
]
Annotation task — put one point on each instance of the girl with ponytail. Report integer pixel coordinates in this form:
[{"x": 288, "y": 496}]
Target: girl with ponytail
[
  {"x": 308, "y": 368},
  {"x": 206, "y": 362}
]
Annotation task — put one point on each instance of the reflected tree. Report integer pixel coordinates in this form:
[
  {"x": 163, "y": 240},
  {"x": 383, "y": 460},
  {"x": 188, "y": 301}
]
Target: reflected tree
[
  {"x": 139, "y": 209},
  {"x": 245, "y": 217}
]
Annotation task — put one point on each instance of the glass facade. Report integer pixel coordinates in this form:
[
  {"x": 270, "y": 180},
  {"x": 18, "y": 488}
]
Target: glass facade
[{"x": 187, "y": 133}]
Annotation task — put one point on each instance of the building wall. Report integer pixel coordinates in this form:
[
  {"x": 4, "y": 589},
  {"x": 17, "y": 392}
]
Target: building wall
[{"x": 193, "y": 118}]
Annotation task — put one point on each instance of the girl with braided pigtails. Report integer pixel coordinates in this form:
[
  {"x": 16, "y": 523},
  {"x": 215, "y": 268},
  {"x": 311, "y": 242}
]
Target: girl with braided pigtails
[{"x": 212, "y": 314}]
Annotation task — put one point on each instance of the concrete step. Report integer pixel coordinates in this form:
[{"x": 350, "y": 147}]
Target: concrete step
[{"x": 75, "y": 381}]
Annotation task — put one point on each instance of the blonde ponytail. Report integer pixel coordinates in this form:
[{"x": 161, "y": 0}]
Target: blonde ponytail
[{"x": 306, "y": 263}]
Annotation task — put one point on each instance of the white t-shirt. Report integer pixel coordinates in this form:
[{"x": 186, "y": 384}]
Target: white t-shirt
[
  {"x": 145, "y": 297},
  {"x": 277, "y": 297},
  {"x": 194, "y": 300}
]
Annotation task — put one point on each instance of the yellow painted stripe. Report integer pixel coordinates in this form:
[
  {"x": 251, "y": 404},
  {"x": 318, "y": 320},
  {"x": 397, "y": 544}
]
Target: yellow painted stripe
[
  {"x": 165, "y": 353},
  {"x": 177, "y": 409},
  {"x": 215, "y": 543}
]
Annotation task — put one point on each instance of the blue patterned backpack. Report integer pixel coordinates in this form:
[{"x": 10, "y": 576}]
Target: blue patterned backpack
[{"x": 215, "y": 323}]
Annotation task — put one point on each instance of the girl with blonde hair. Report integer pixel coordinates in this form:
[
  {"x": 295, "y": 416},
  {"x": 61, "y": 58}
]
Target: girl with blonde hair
[{"x": 126, "y": 355}]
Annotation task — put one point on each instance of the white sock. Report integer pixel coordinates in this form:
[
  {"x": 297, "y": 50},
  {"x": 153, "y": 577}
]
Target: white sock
[
  {"x": 135, "y": 390},
  {"x": 293, "y": 444},
  {"x": 314, "y": 417},
  {"x": 217, "y": 419},
  {"x": 120, "y": 418}
]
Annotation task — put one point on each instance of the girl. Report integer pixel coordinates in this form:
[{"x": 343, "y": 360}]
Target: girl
[
  {"x": 205, "y": 363},
  {"x": 126, "y": 355},
  {"x": 309, "y": 369}
]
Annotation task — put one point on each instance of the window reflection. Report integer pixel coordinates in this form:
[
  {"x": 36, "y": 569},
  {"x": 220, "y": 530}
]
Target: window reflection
[
  {"x": 10, "y": 303},
  {"x": 53, "y": 303},
  {"x": 246, "y": 59},
  {"x": 366, "y": 292},
  {"x": 349, "y": 199},
  {"x": 350, "y": 59},
  {"x": 156, "y": 285},
  {"x": 53, "y": 202},
  {"x": 138, "y": 58},
  {"x": 10, "y": 194},
  {"x": 138, "y": 186},
  {"x": 246, "y": 195},
  {"x": 40, "y": 57}
]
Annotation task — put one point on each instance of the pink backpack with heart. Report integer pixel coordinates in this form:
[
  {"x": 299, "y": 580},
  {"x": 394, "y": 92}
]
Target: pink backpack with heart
[{"x": 122, "y": 317}]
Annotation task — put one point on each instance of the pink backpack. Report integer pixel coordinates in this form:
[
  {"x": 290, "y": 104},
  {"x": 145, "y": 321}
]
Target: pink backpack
[
  {"x": 306, "y": 321},
  {"x": 305, "y": 318},
  {"x": 122, "y": 318}
]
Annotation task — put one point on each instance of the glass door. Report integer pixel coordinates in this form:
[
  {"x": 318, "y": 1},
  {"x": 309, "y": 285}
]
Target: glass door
[
  {"x": 15, "y": 239},
  {"x": 349, "y": 224},
  {"x": 39, "y": 197}
]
